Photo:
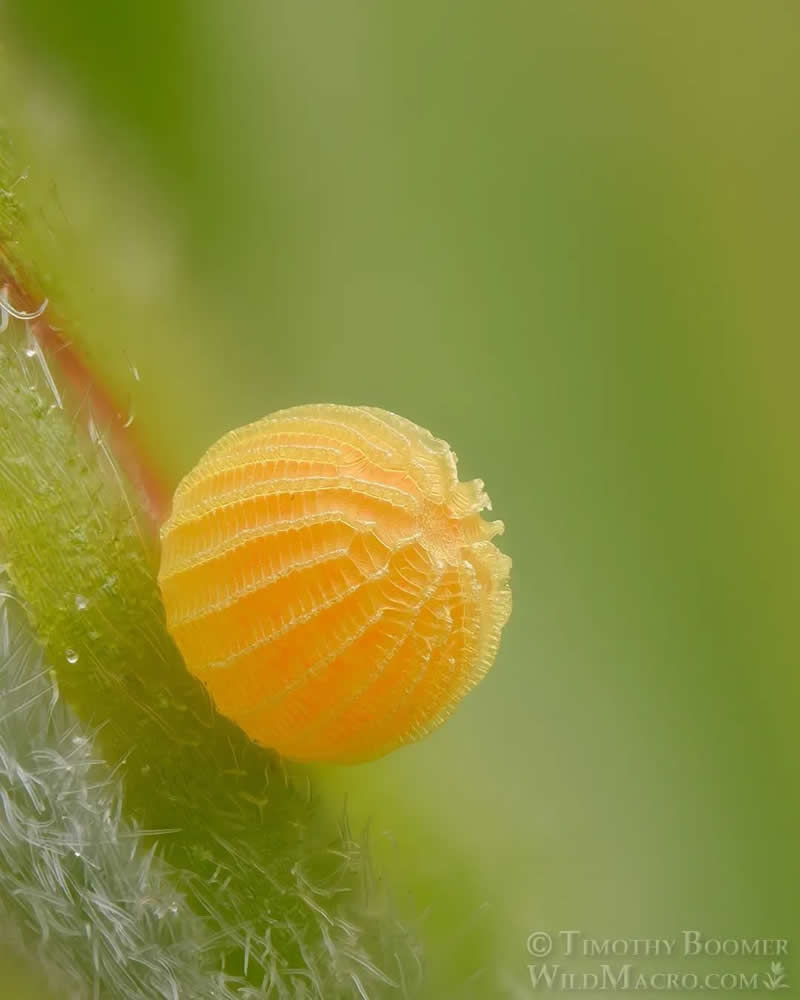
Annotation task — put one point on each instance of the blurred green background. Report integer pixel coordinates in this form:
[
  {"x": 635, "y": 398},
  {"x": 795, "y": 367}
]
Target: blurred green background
[{"x": 564, "y": 237}]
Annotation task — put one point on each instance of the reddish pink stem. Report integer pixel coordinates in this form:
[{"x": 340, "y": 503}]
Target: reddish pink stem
[{"x": 73, "y": 373}]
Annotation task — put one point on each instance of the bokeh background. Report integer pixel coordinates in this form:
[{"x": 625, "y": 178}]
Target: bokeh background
[{"x": 564, "y": 237}]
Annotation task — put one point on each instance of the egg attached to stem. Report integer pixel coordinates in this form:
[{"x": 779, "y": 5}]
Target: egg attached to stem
[{"x": 331, "y": 582}]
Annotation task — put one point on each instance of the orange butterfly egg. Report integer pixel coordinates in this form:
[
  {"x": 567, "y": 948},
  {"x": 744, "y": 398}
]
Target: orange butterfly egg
[{"x": 331, "y": 582}]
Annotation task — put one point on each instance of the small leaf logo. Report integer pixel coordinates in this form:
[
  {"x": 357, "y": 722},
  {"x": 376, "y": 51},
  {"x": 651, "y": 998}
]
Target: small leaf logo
[{"x": 774, "y": 979}]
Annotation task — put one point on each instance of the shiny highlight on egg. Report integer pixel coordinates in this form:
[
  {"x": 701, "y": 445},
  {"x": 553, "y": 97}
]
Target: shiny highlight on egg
[{"x": 331, "y": 582}]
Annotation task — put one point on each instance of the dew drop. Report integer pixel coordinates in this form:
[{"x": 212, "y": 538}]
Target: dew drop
[
  {"x": 71, "y": 655},
  {"x": 30, "y": 352},
  {"x": 81, "y": 602}
]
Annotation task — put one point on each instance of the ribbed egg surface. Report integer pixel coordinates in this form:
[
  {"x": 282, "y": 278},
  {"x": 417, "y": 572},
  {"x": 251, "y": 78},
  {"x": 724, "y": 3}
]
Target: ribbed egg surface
[{"x": 331, "y": 582}]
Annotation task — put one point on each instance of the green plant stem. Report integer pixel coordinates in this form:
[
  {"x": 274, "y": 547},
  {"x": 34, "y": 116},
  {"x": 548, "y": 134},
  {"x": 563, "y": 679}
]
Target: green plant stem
[{"x": 289, "y": 895}]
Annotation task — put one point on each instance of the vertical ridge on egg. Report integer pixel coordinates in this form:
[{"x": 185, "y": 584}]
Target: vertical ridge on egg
[{"x": 331, "y": 582}]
